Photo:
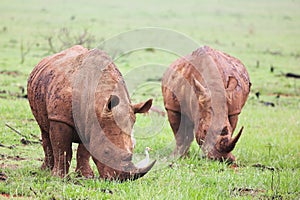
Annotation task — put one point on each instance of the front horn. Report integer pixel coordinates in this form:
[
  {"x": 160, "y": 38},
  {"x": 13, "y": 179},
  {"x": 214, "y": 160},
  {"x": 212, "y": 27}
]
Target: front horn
[
  {"x": 233, "y": 141},
  {"x": 142, "y": 171}
]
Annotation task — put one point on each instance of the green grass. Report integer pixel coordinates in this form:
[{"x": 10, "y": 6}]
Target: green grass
[{"x": 261, "y": 32}]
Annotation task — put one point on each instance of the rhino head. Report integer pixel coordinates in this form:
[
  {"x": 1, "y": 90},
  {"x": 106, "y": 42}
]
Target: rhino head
[
  {"x": 104, "y": 117},
  {"x": 218, "y": 142},
  {"x": 115, "y": 160}
]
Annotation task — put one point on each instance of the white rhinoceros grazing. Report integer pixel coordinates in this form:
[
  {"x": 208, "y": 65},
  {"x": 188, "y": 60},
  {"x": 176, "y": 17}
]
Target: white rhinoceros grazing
[{"x": 198, "y": 87}]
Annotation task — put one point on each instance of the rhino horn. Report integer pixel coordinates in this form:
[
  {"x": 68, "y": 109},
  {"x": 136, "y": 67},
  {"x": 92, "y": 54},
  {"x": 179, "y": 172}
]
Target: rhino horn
[
  {"x": 233, "y": 141},
  {"x": 140, "y": 172}
]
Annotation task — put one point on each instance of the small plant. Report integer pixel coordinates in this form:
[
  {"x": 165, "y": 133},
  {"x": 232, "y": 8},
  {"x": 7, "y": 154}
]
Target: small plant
[
  {"x": 65, "y": 39},
  {"x": 269, "y": 146},
  {"x": 24, "y": 50}
]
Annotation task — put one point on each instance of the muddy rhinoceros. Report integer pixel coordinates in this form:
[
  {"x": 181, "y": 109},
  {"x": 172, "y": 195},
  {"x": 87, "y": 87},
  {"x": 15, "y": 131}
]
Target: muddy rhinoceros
[
  {"x": 204, "y": 93},
  {"x": 78, "y": 95}
]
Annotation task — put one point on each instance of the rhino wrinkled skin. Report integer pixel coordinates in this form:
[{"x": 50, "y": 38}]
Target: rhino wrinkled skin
[
  {"x": 50, "y": 89},
  {"x": 188, "y": 101}
]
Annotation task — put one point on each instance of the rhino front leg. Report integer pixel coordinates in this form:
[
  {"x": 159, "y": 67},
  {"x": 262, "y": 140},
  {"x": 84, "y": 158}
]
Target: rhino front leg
[
  {"x": 49, "y": 158},
  {"x": 61, "y": 136},
  {"x": 183, "y": 131},
  {"x": 83, "y": 167}
]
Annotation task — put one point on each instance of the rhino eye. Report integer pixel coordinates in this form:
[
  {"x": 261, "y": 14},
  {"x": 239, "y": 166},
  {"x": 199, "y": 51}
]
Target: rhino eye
[{"x": 113, "y": 102}]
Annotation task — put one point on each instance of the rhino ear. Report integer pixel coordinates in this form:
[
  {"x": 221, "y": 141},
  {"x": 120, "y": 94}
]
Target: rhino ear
[
  {"x": 232, "y": 83},
  {"x": 113, "y": 101},
  {"x": 142, "y": 107}
]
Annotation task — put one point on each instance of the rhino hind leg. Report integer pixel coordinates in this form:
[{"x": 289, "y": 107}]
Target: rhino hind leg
[
  {"x": 61, "y": 136},
  {"x": 83, "y": 167},
  {"x": 183, "y": 131},
  {"x": 49, "y": 158}
]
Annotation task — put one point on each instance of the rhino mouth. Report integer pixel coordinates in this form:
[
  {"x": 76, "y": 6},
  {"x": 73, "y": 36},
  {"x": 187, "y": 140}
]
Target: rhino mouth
[
  {"x": 118, "y": 165},
  {"x": 128, "y": 172}
]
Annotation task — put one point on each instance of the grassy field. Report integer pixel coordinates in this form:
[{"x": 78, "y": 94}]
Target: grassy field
[{"x": 263, "y": 34}]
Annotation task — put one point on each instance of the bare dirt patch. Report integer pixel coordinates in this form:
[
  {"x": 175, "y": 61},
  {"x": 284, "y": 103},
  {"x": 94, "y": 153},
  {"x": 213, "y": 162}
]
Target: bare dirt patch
[
  {"x": 11, "y": 73},
  {"x": 5, "y": 165},
  {"x": 16, "y": 158},
  {"x": 8, "y": 196},
  {"x": 3, "y": 176},
  {"x": 248, "y": 191}
]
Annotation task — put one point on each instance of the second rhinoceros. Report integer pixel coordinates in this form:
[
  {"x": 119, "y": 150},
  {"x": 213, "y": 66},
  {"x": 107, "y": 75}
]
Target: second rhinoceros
[
  {"x": 73, "y": 102},
  {"x": 200, "y": 87}
]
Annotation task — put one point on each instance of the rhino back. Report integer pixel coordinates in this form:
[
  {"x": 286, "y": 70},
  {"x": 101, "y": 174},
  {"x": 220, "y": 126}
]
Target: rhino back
[
  {"x": 49, "y": 86},
  {"x": 179, "y": 75}
]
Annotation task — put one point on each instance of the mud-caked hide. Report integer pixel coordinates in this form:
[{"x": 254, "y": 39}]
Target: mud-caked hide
[{"x": 83, "y": 93}]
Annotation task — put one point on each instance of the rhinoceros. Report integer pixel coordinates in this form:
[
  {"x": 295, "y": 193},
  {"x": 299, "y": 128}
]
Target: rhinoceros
[
  {"x": 103, "y": 119},
  {"x": 198, "y": 88}
]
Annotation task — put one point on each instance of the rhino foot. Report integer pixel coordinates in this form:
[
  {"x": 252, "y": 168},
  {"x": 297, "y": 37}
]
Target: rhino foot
[{"x": 86, "y": 173}]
